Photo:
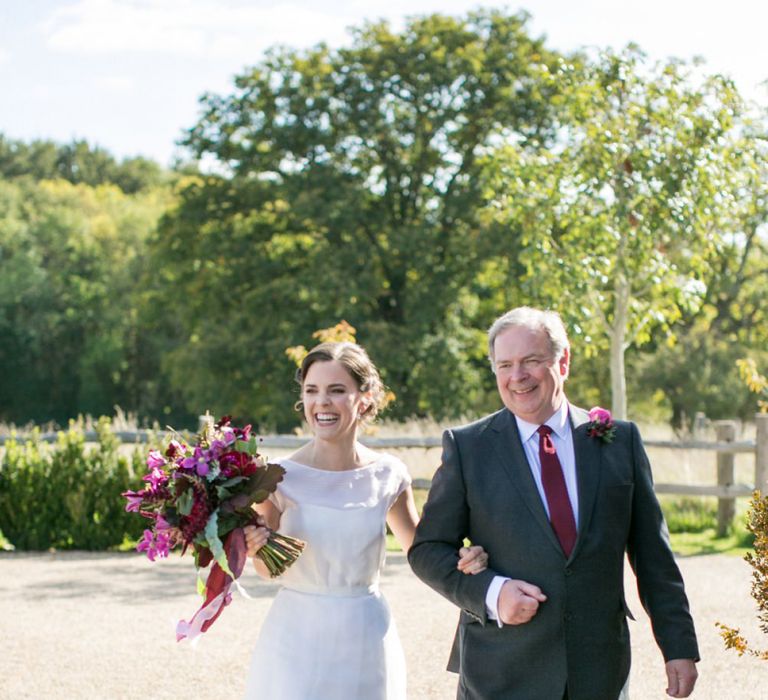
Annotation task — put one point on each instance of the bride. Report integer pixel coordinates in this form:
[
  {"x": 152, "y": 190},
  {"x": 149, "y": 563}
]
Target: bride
[{"x": 329, "y": 634}]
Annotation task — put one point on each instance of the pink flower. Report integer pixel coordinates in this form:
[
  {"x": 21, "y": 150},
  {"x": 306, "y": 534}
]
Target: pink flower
[
  {"x": 243, "y": 433},
  {"x": 155, "y": 459},
  {"x": 161, "y": 524},
  {"x": 601, "y": 415},
  {"x": 198, "y": 462},
  {"x": 155, "y": 545},
  {"x": 134, "y": 501},
  {"x": 229, "y": 435},
  {"x": 156, "y": 478},
  {"x": 601, "y": 424}
]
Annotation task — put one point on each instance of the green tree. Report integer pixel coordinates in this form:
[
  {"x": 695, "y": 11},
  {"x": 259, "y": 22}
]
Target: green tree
[
  {"x": 78, "y": 163},
  {"x": 634, "y": 209},
  {"x": 349, "y": 189},
  {"x": 69, "y": 259}
]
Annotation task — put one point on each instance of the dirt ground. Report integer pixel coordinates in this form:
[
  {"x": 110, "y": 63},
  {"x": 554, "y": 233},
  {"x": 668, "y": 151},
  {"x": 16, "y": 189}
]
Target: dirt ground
[{"x": 96, "y": 626}]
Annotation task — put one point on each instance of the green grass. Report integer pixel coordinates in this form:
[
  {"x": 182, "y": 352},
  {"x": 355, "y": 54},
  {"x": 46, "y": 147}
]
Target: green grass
[
  {"x": 692, "y": 526},
  {"x": 688, "y": 544},
  {"x": 5, "y": 545}
]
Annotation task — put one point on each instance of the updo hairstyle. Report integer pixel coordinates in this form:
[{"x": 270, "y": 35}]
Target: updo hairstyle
[{"x": 359, "y": 366}]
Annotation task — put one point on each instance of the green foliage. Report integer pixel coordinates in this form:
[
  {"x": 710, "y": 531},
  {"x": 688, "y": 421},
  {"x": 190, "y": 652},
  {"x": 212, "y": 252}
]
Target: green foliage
[
  {"x": 77, "y": 163},
  {"x": 643, "y": 202},
  {"x": 69, "y": 259},
  {"x": 757, "y": 522},
  {"x": 417, "y": 184},
  {"x": 67, "y": 495},
  {"x": 689, "y": 514},
  {"x": 351, "y": 191},
  {"x": 696, "y": 373}
]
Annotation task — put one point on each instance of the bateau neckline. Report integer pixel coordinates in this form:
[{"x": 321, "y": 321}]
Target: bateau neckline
[{"x": 332, "y": 471}]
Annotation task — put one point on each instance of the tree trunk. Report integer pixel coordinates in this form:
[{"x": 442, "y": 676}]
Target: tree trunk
[{"x": 618, "y": 348}]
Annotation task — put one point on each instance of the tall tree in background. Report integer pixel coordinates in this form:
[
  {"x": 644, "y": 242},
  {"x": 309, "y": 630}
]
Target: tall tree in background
[
  {"x": 732, "y": 318},
  {"x": 69, "y": 259},
  {"x": 78, "y": 163},
  {"x": 641, "y": 202},
  {"x": 349, "y": 189}
]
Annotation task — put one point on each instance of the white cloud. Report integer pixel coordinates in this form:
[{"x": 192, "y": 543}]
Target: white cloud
[
  {"x": 118, "y": 84},
  {"x": 188, "y": 27}
]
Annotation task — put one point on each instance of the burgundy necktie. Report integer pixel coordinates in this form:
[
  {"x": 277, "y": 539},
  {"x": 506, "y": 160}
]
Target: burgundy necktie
[{"x": 560, "y": 511}]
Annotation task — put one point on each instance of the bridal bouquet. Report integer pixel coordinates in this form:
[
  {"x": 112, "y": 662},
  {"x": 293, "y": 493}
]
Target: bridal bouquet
[{"x": 200, "y": 497}]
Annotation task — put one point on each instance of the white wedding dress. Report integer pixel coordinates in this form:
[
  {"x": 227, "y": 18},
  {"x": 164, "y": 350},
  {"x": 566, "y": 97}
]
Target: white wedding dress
[{"x": 329, "y": 634}]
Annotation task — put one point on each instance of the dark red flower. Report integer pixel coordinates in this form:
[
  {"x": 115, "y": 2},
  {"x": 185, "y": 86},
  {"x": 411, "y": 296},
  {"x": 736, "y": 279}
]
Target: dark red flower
[{"x": 234, "y": 463}]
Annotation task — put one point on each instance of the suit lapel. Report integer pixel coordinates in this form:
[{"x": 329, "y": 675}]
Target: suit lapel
[
  {"x": 509, "y": 450},
  {"x": 588, "y": 456}
]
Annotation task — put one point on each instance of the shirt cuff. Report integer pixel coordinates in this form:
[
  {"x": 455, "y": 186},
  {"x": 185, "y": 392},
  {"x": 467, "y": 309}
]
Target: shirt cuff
[{"x": 492, "y": 598}]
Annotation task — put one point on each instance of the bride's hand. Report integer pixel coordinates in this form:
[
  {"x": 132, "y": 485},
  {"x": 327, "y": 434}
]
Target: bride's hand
[
  {"x": 256, "y": 537},
  {"x": 472, "y": 560}
]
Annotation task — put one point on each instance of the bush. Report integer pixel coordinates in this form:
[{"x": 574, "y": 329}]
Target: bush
[
  {"x": 67, "y": 495},
  {"x": 689, "y": 514}
]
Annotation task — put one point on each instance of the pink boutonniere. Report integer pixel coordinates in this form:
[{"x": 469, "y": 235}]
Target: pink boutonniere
[{"x": 601, "y": 424}]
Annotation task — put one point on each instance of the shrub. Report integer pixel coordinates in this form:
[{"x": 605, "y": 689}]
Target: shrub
[
  {"x": 758, "y": 560},
  {"x": 67, "y": 495}
]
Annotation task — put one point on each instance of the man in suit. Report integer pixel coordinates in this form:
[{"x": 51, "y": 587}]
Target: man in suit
[{"x": 556, "y": 508}]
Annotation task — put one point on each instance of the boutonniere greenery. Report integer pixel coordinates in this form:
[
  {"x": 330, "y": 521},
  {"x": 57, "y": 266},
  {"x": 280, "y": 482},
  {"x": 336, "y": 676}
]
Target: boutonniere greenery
[{"x": 601, "y": 424}]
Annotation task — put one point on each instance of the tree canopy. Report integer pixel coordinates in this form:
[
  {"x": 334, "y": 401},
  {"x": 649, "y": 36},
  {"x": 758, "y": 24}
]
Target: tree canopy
[
  {"x": 646, "y": 200},
  {"x": 416, "y": 184},
  {"x": 351, "y": 190}
]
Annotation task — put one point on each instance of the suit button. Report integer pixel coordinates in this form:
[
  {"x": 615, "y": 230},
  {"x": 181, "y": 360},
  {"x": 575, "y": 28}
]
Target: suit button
[
  {"x": 567, "y": 617},
  {"x": 568, "y": 572}
]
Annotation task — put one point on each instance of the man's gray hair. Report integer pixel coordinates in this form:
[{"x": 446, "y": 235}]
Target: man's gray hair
[{"x": 536, "y": 320}]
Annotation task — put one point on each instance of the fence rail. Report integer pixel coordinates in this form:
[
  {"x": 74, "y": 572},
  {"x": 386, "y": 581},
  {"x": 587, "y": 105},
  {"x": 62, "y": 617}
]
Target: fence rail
[{"x": 725, "y": 447}]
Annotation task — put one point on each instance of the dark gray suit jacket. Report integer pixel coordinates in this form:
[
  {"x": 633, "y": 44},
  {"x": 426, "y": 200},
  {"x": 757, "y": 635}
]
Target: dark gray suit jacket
[{"x": 484, "y": 491}]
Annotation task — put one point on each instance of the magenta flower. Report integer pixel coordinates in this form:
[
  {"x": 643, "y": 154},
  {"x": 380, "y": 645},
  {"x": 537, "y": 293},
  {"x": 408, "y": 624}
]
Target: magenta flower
[
  {"x": 161, "y": 524},
  {"x": 229, "y": 435},
  {"x": 155, "y": 459},
  {"x": 243, "y": 433},
  {"x": 601, "y": 415},
  {"x": 198, "y": 462},
  {"x": 163, "y": 544},
  {"x": 601, "y": 424},
  {"x": 156, "y": 478},
  {"x": 155, "y": 545},
  {"x": 134, "y": 501},
  {"x": 146, "y": 544},
  {"x": 218, "y": 447}
]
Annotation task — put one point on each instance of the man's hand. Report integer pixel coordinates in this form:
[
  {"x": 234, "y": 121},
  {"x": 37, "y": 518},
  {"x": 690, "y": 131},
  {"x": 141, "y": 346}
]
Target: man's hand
[
  {"x": 473, "y": 560},
  {"x": 519, "y": 602},
  {"x": 681, "y": 677}
]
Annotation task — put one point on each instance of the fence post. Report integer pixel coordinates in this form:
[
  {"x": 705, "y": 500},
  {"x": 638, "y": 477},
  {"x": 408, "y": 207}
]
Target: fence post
[
  {"x": 725, "y": 430},
  {"x": 761, "y": 453}
]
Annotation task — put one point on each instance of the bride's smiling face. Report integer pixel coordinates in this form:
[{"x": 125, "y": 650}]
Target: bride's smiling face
[{"x": 332, "y": 400}]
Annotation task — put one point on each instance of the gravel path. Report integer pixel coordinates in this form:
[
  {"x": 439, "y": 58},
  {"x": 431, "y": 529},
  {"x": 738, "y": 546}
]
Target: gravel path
[{"x": 96, "y": 626}]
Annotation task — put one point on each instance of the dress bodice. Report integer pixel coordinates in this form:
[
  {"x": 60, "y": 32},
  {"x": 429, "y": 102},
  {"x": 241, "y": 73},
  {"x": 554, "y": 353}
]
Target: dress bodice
[{"x": 341, "y": 515}]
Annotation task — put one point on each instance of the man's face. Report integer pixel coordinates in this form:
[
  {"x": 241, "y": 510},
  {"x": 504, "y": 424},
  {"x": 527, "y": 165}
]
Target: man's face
[{"x": 529, "y": 380}]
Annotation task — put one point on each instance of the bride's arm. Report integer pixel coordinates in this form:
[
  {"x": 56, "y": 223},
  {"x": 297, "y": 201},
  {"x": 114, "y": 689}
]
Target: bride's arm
[
  {"x": 402, "y": 520},
  {"x": 256, "y": 536}
]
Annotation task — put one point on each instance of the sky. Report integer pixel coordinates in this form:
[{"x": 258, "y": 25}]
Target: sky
[{"x": 127, "y": 75}]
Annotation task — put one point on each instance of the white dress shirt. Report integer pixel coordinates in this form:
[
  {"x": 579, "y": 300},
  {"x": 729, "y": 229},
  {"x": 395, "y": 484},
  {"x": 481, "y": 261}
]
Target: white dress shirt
[{"x": 562, "y": 437}]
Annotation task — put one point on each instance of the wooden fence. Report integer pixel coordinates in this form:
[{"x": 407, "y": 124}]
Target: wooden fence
[{"x": 724, "y": 446}]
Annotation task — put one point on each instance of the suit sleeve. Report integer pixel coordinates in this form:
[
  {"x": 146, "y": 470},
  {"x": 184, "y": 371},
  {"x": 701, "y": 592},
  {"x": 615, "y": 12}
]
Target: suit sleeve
[
  {"x": 444, "y": 524},
  {"x": 659, "y": 582}
]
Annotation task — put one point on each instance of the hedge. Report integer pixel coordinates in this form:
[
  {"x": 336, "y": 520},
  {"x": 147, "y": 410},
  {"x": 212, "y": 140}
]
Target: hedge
[{"x": 66, "y": 495}]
